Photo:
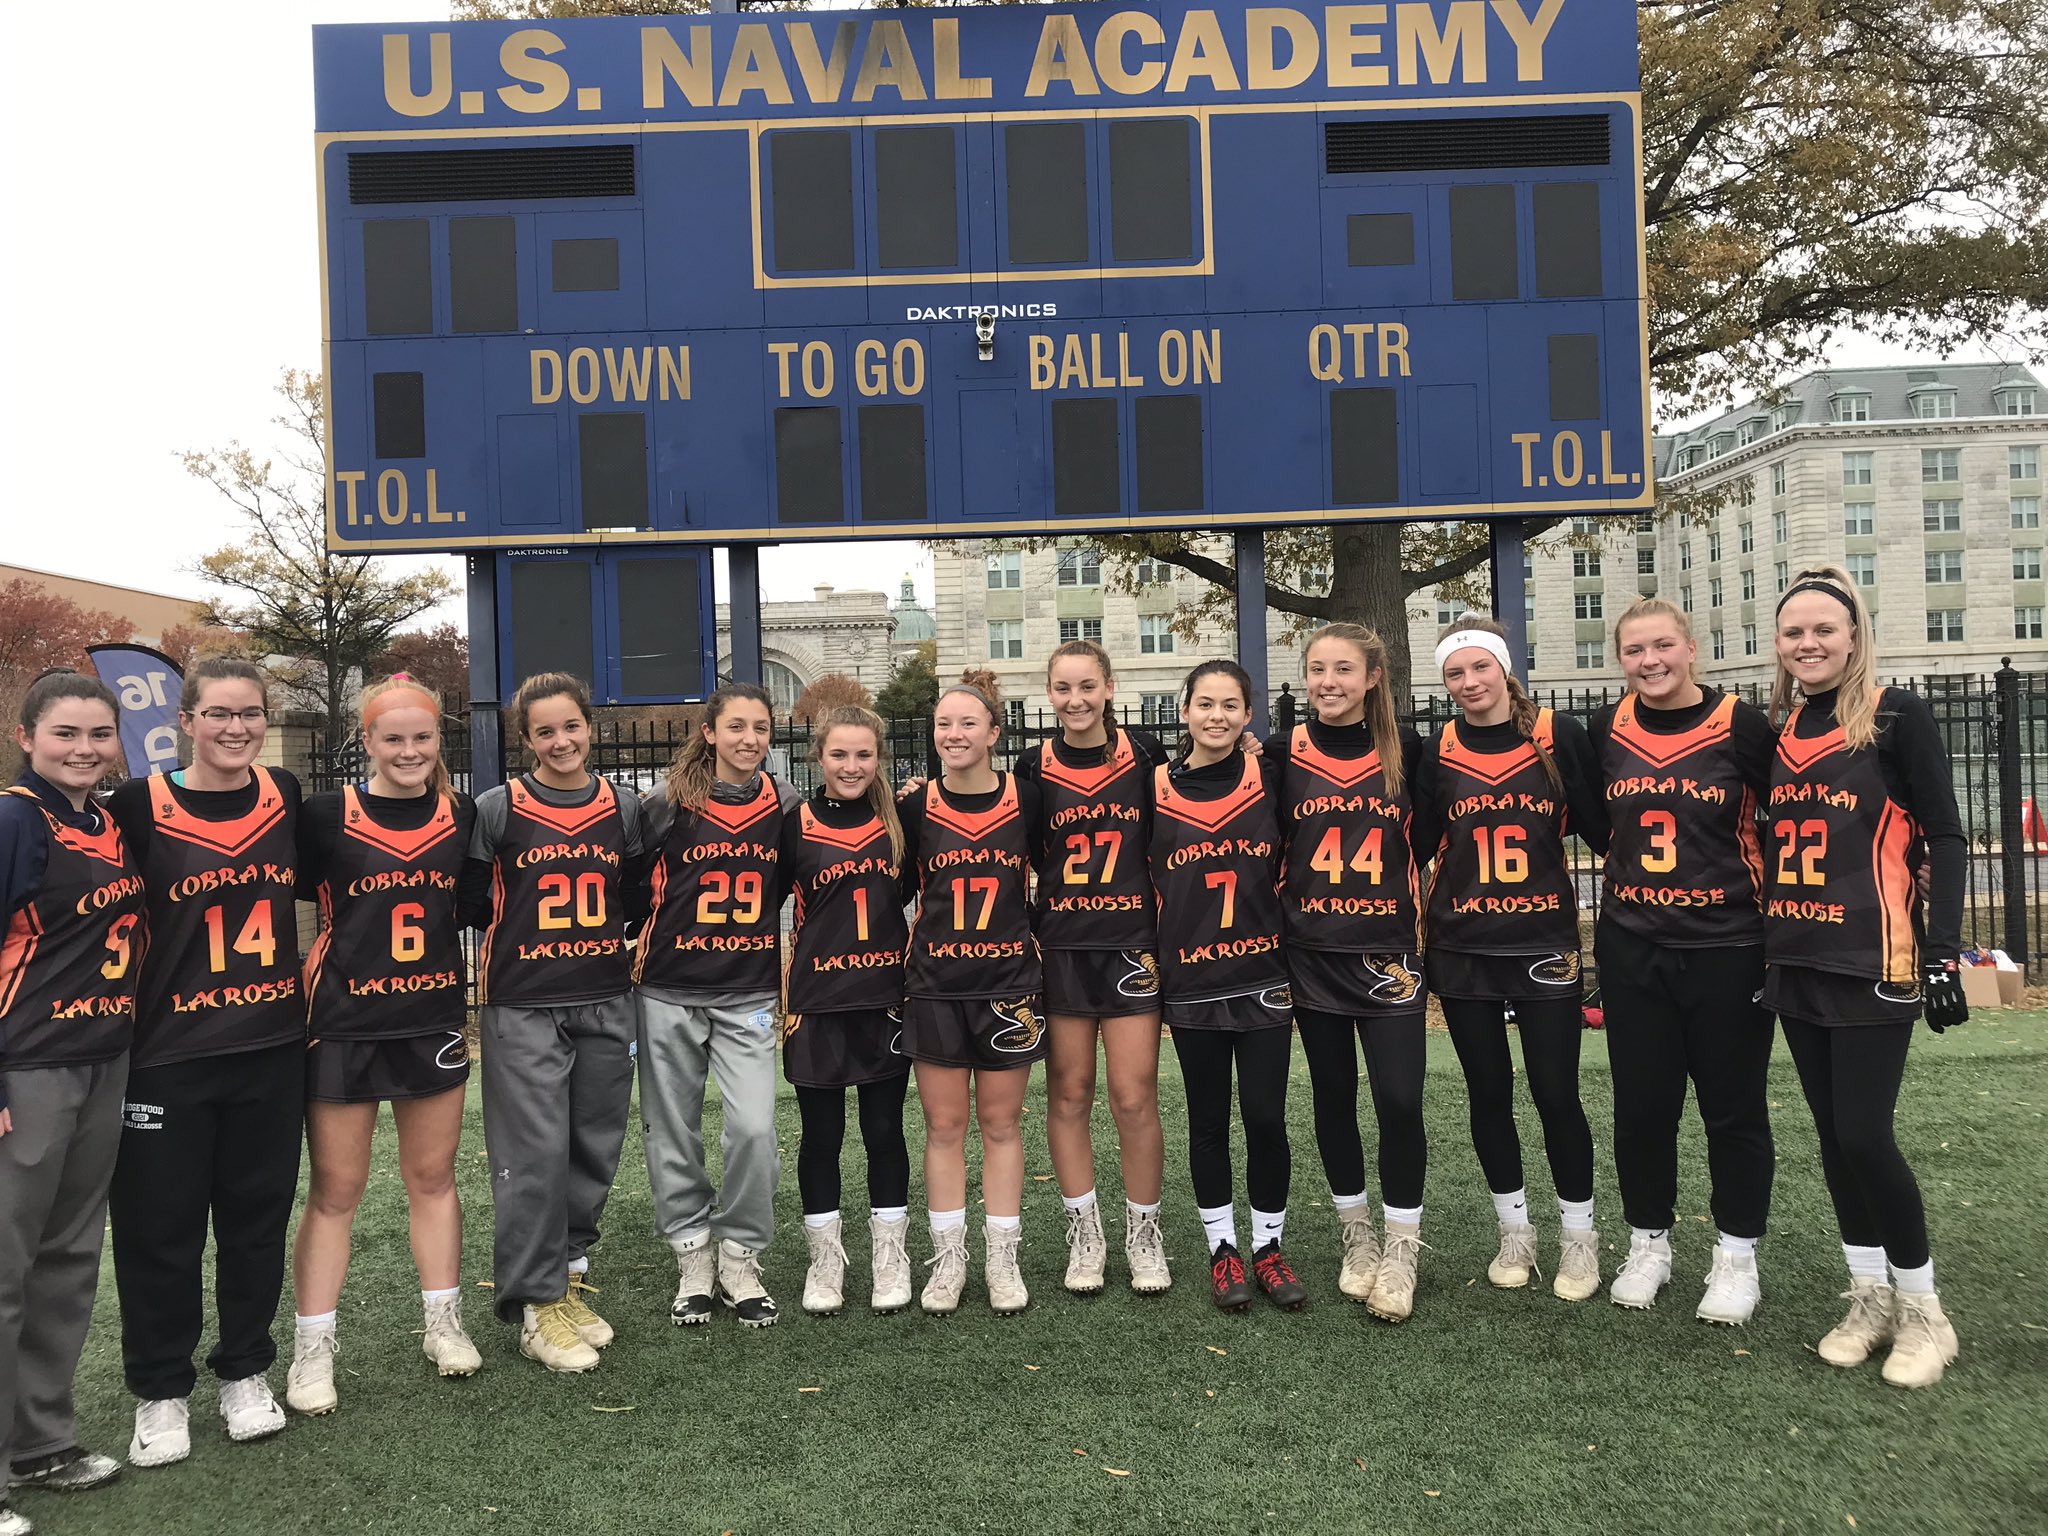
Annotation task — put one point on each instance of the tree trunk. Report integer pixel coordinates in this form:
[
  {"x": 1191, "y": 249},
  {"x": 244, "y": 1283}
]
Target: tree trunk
[{"x": 1367, "y": 587}]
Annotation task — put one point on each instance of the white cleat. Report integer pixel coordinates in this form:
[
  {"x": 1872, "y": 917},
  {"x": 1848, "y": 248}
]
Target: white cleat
[
  {"x": 1645, "y": 1272},
  {"x": 163, "y": 1432},
  {"x": 249, "y": 1410},
  {"x": 309, "y": 1385},
  {"x": 1733, "y": 1289}
]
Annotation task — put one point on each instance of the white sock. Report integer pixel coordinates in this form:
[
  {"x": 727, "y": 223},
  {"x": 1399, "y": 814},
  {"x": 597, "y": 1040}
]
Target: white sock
[
  {"x": 1135, "y": 1209},
  {"x": 1079, "y": 1202},
  {"x": 1404, "y": 1215},
  {"x": 428, "y": 1298},
  {"x": 1219, "y": 1223},
  {"x": 1004, "y": 1223},
  {"x": 888, "y": 1212},
  {"x": 1266, "y": 1227},
  {"x": 1737, "y": 1245},
  {"x": 947, "y": 1221},
  {"x": 1512, "y": 1208},
  {"x": 579, "y": 1266},
  {"x": 1351, "y": 1202},
  {"x": 1864, "y": 1263},
  {"x": 818, "y": 1223},
  {"x": 1919, "y": 1280},
  {"x": 1576, "y": 1215},
  {"x": 1651, "y": 1234},
  {"x": 317, "y": 1320}
]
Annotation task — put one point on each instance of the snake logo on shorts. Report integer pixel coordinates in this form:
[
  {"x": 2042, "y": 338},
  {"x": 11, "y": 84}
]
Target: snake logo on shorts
[
  {"x": 1898, "y": 991},
  {"x": 454, "y": 1056},
  {"x": 896, "y": 1039},
  {"x": 1024, "y": 1026},
  {"x": 1143, "y": 980},
  {"x": 1556, "y": 970},
  {"x": 1278, "y": 997},
  {"x": 1395, "y": 982}
]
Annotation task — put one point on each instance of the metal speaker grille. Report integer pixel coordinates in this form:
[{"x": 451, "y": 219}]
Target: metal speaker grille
[
  {"x": 1465, "y": 144},
  {"x": 490, "y": 175}
]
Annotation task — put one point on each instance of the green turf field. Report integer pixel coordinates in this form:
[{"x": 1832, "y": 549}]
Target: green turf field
[{"x": 1490, "y": 1411}]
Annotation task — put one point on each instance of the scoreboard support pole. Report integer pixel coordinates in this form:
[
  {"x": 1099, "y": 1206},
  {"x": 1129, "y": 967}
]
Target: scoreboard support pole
[
  {"x": 1251, "y": 618},
  {"x": 486, "y": 750},
  {"x": 1505, "y": 563},
  {"x": 743, "y": 604}
]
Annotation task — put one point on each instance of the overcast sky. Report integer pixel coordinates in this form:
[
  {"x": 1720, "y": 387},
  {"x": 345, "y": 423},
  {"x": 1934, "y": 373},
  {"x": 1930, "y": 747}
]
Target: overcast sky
[{"x": 164, "y": 268}]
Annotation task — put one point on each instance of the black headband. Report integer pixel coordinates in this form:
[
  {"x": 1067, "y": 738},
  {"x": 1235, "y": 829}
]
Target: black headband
[{"x": 1827, "y": 587}]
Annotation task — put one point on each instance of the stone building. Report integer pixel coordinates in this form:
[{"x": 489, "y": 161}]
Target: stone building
[{"x": 850, "y": 632}]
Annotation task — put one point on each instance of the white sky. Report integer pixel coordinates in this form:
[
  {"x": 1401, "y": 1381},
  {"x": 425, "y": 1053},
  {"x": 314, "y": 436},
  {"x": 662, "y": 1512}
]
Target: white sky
[{"x": 165, "y": 260}]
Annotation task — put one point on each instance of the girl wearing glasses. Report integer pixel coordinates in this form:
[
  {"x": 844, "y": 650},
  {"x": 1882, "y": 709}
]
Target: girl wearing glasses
[{"x": 216, "y": 1092}]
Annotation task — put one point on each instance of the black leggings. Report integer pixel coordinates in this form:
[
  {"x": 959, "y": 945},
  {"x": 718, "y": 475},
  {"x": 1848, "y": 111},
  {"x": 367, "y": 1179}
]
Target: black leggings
[
  {"x": 824, "y": 1134},
  {"x": 1851, "y": 1074},
  {"x": 1674, "y": 1014},
  {"x": 1260, "y": 1056},
  {"x": 1550, "y": 1030},
  {"x": 1394, "y": 1056}
]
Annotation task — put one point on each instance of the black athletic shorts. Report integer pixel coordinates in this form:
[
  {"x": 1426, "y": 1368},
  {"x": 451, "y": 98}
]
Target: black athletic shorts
[
  {"x": 1101, "y": 983},
  {"x": 371, "y": 1071},
  {"x": 1828, "y": 997},
  {"x": 1269, "y": 1008},
  {"x": 987, "y": 1033},
  {"x": 1357, "y": 985},
  {"x": 1503, "y": 978},
  {"x": 843, "y": 1049}
]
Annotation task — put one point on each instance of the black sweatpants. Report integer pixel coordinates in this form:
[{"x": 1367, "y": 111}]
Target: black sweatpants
[
  {"x": 1260, "y": 1057},
  {"x": 1394, "y": 1056},
  {"x": 1674, "y": 1015},
  {"x": 215, "y": 1137},
  {"x": 824, "y": 1135},
  {"x": 1550, "y": 1028},
  {"x": 1851, "y": 1074}
]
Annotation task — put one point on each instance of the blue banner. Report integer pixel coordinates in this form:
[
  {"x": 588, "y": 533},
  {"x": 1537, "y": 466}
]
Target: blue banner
[{"x": 147, "y": 683}]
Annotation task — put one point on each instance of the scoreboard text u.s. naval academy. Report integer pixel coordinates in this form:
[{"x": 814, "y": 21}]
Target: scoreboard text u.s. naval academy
[{"x": 1022, "y": 269}]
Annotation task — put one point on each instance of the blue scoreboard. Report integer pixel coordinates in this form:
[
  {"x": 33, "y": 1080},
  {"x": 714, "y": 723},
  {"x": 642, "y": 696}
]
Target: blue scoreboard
[{"x": 1025, "y": 269}]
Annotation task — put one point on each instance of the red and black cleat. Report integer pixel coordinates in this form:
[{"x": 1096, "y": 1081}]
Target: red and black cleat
[
  {"x": 1228, "y": 1286},
  {"x": 1277, "y": 1280}
]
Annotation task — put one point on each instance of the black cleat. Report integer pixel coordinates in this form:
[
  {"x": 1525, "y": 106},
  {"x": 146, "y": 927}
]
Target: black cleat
[
  {"x": 1228, "y": 1287},
  {"x": 1277, "y": 1280}
]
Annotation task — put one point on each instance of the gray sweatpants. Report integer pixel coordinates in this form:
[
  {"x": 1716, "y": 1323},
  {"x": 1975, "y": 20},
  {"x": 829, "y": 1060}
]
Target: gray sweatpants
[
  {"x": 558, "y": 1088},
  {"x": 55, "y": 1166},
  {"x": 681, "y": 1044}
]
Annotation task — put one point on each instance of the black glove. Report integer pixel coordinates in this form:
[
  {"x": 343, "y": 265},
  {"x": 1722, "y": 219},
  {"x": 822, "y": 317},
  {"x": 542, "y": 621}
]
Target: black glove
[{"x": 1941, "y": 988}]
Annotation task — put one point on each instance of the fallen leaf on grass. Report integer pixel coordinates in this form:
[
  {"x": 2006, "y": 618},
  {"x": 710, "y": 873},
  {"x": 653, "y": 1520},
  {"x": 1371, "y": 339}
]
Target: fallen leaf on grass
[
  {"x": 1431, "y": 1493},
  {"x": 2035, "y": 1326},
  {"x": 1360, "y": 1460},
  {"x": 810, "y": 1389},
  {"x": 1079, "y": 1452},
  {"x": 1793, "y": 1431},
  {"x": 487, "y": 1285},
  {"x": 1852, "y": 1521},
  {"x": 1742, "y": 1351},
  {"x": 1212, "y": 1390},
  {"x": 1116, "y": 1471},
  {"x": 600, "y": 1408},
  {"x": 1030, "y": 1367},
  {"x": 1041, "y": 1178},
  {"x": 1214, "y": 1350},
  {"x": 1592, "y": 1447},
  {"x": 490, "y": 1509}
]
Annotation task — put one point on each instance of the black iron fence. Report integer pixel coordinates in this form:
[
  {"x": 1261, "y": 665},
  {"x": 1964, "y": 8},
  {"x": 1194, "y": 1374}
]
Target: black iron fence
[{"x": 1996, "y": 727}]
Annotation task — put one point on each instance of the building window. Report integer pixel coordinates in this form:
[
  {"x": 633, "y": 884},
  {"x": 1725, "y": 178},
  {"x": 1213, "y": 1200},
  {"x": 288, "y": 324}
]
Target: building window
[
  {"x": 1585, "y": 527},
  {"x": 1859, "y": 517},
  {"x": 1850, "y": 407},
  {"x": 1528, "y": 606},
  {"x": 1532, "y": 660},
  {"x": 1941, "y": 466},
  {"x": 1648, "y": 522},
  {"x": 1713, "y": 548},
  {"x": 2023, "y": 462},
  {"x": 1080, "y": 629},
  {"x": 2015, "y": 402},
  {"x": 1080, "y": 567},
  {"x": 1646, "y": 562},
  {"x": 2026, "y": 563},
  {"x": 1748, "y": 586},
  {"x": 1157, "y": 708},
  {"x": 1589, "y": 605},
  {"x": 1720, "y": 645},
  {"x": 1587, "y": 657},
  {"x": 1713, "y": 591},
  {"x": 1945, "y": 566},
  {"x": 1941, "y": 517},
  {"x": 1785, "y": 415},
  {"x": 1862, "y": 569},
  {"x": 1934, "y": 404},
  {"x": 1746, "y": 537},
  {"x": 1944, "y": 625},
  {"x": 1746, "y": 434},
  {"x": 1685, "y": 597},
  {"x": 1528, "y": 565},
  {"x": 1155, "y": 634},
  {"x": 1784, "y": 575},
  {"x": 1005, "y": 639},
  {"x": 1749, "y": 639},
  {"x": 1685, "y": 554},
  {"x": 1745, "y": 491},
  {"x": 1006, "y": 571},
  {"x": 1151, "y": 573},
  {"x": 1778, "y": 478},
  {"x": 1585, "y": 562},
  {"x": 1777, "y": 527},
  {"x": 2026, "y": 511},
  {"x": 1446, "y": 615},
  {"x": 1857, "y": 468},
  {"x": 2026, "y": 624}
]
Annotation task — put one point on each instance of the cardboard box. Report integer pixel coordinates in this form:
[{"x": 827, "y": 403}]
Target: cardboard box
[
  {"x": 2010, "y": 984},
  {"x": 1982, "y": 989}
]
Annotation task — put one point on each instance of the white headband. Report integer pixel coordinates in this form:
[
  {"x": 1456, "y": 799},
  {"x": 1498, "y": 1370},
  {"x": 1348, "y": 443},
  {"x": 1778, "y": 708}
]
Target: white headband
[{"x": 1485, "y": 639}]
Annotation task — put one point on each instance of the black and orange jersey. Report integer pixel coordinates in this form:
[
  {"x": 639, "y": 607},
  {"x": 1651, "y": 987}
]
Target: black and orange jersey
[
  {"x": 388, "y": 961},
  {"x": 222, "y": 971},
  {"x": 1840, "y": 861},
  {"x": 557, "y": 925},
  {"x": 1094, "y": 891},
  {"x": 1216, "y": 866},
  {"x": 715, "y": 889},
  {"x": 1684, "y": 866},
  {"x": 1349, "y": 880},
  {"x": 847, "y": 929},
  {"x": 69, "y": 957},
  {"x": 972, "y": 934},
  {"x": 1501, "y": 884}
]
